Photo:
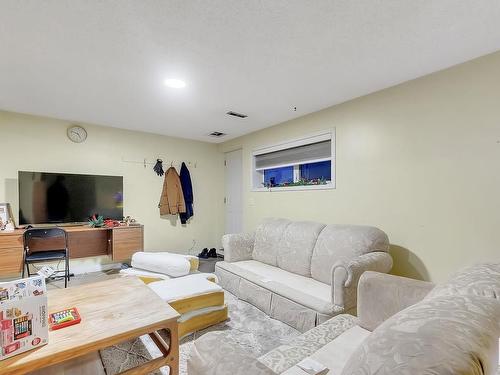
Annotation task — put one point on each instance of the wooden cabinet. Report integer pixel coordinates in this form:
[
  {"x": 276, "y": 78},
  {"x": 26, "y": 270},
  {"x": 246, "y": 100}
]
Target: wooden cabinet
[
  {"x": 125, "y": 242},
  {"x": 84, "y": 244},
  {"x": 119, "y": 243},
  {"x": 11, "y": 253}
]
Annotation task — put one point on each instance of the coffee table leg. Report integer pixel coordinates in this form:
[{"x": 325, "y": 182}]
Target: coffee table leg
[
  {"x": 173, "y": 353},
  {"x": 170, "y": 354}
]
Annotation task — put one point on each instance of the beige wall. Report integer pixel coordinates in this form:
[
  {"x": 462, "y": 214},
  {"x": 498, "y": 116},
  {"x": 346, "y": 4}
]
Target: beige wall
[
  {"x": 420, "y": 161},
  {"x": 40, "y": 144}
]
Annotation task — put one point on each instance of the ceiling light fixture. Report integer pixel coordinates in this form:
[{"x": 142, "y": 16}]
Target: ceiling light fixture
[{"x": 175, "y": 83}]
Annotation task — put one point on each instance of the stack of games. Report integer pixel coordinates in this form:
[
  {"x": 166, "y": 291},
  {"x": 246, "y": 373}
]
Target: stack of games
[{"x": 23, "y": 316}]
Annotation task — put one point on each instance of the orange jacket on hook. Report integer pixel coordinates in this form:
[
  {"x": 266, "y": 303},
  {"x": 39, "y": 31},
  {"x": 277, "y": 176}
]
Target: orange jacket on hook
[{"x": 172, "y": 198}]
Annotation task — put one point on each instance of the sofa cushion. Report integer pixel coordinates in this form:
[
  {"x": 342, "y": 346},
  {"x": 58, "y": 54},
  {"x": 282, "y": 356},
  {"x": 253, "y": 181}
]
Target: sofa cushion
[
  {"x": 295, "y": 314},
  {"x": 481, "y": 280},
  {"x": 344, "y": 242},
  {"x": 256, "y": 295},
  {"x": 268, "y": 236},
  {"x": 303, "y": 290},
  {"x": 223, "y": 353},
  {"x": 228, "y": 280},
  {"x": 450, "y": 335},
  {"x": 300, "y": 347},
  {"x": 335, "y": 354},
  {"x": 296, "y": 247}
]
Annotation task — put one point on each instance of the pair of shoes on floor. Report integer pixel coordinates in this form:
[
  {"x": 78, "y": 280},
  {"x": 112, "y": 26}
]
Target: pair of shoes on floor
[{"x": 205, "y": 253}]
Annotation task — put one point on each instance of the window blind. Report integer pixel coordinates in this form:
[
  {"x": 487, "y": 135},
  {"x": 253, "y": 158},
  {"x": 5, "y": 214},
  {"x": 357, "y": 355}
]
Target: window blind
[{"x": 318, "y": 151}]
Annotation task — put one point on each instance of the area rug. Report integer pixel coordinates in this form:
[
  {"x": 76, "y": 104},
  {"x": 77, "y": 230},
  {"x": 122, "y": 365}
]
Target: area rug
[{"x": 255, "y": 330}]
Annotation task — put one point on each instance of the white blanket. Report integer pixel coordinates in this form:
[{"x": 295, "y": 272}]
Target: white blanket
[{"x": 174, "y": 265}]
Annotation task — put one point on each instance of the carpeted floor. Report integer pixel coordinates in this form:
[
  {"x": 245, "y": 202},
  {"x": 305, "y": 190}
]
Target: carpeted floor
[
  {"x": 84, "y": 278},
  {"x": 255, "y": 329},
  {"x": 258, "y": 332}
]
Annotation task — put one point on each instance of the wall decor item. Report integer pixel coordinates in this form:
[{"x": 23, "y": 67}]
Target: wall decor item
[
  {"x": 77, "y": 134},
  {"x": 3, "y": 215},
  {"x": 10, "y": 227},
  {"x": 6, "y": 215}
]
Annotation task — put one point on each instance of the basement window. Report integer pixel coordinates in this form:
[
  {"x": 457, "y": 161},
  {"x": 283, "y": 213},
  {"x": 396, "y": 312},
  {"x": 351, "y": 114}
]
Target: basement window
[{"x": 302, "y": 164}]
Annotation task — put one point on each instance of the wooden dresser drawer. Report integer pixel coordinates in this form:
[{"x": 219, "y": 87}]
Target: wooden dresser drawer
[
  {"x": 11, "y": 261},
  {"x": 13, "y": 240}
]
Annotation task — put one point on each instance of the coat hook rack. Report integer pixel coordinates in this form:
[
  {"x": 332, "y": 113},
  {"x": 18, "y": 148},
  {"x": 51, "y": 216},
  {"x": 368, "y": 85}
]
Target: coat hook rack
[{"x": 173, "y": 162}]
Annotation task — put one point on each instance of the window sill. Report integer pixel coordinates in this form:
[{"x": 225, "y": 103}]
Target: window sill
[{"x": 328, "y": 186}]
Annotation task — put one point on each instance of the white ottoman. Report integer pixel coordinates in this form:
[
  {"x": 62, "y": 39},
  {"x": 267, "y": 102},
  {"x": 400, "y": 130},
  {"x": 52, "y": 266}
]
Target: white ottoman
[{"x": 199, "y": 301}]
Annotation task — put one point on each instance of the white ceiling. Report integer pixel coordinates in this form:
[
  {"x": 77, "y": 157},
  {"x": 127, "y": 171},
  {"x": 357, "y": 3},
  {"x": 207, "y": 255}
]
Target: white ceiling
[{"x": 104, "y": 62}]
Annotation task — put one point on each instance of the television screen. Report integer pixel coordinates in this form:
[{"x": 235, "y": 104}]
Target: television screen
[{"x": 51, "y": 198}]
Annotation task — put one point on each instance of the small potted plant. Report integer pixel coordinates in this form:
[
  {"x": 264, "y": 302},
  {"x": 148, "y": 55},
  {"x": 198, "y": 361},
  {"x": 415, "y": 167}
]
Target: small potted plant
[{"x": 96, "y": 221}]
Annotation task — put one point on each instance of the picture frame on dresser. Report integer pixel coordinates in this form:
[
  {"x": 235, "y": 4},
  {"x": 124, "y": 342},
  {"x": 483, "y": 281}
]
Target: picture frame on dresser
[{"x": 5, "y": 214}]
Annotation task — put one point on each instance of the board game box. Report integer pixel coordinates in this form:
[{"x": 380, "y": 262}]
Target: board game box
[{"x": 23, "y": 316}]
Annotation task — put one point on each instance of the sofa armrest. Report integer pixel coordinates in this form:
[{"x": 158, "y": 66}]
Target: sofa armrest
[
  {"x": 238, "y": 246},
  {"x": 346, "y": 274},
  {"x": 380, "y": 296}
]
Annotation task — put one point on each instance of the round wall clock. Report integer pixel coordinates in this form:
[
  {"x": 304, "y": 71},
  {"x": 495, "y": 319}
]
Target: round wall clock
[{"x": 77, "y": 134}]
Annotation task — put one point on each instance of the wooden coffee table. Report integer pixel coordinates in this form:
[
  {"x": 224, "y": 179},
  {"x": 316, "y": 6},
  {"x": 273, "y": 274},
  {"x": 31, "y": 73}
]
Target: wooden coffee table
[{"x": 112, "y": 311}]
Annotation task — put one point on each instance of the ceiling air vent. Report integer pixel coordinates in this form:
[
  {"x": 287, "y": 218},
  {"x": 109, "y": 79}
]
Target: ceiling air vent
[
  {"x": 236, "y": 114},
  {"x": 217, "y": 134}
]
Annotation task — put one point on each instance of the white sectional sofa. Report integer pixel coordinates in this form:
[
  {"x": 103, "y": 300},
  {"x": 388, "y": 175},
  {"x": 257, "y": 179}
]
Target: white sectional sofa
[
  {"x": 301, "y": 273},
  {"x": 404, "y": 326}
]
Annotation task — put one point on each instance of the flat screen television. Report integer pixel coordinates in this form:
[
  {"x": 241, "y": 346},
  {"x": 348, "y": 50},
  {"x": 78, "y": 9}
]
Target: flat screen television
[{"x": 55, "y": 198}]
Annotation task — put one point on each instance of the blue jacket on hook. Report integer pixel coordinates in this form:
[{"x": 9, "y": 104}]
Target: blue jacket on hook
[{"x": 187, "y": 189}]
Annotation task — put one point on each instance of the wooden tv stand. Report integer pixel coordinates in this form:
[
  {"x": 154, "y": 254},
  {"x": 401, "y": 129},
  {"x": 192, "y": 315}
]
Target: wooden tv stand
[{"x": 119, "y": 243}]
